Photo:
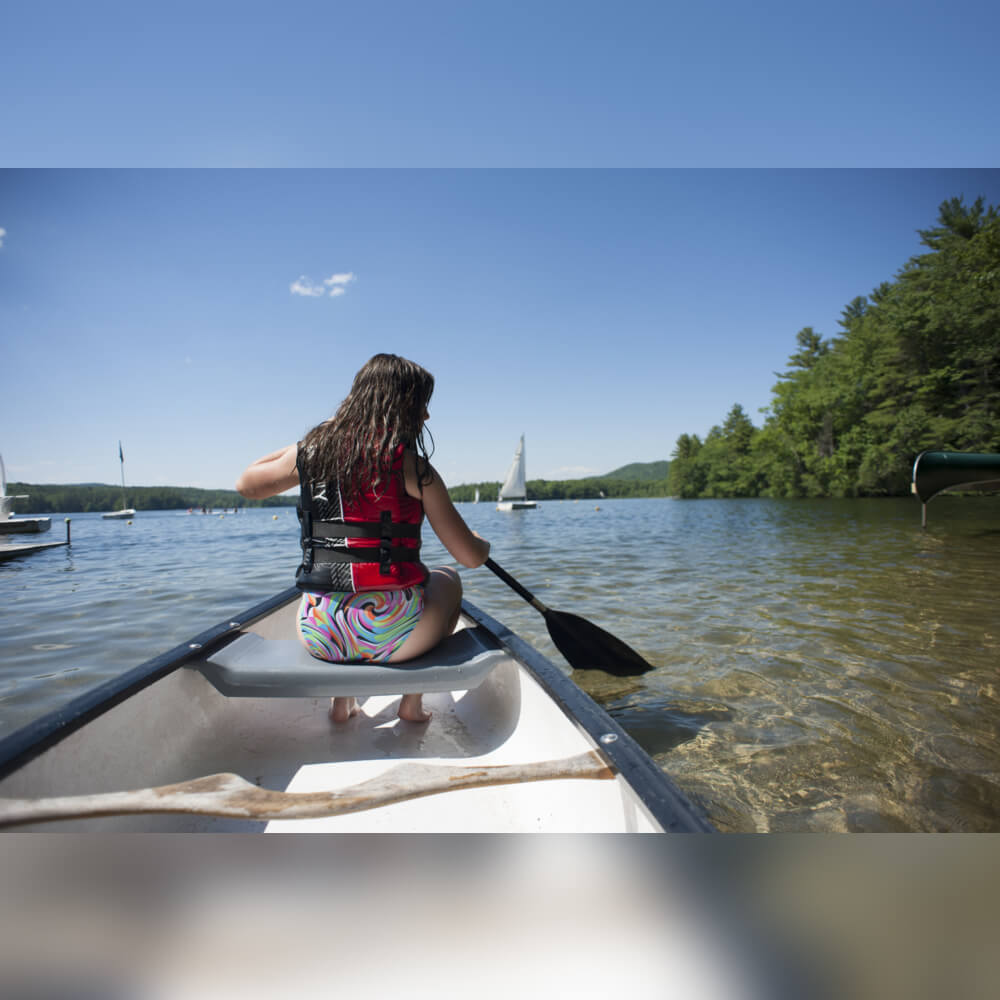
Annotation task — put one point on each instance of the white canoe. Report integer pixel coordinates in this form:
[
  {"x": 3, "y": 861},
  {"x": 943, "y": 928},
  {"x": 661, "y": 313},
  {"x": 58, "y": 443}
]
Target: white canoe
[{"x": 235, "y": 723}]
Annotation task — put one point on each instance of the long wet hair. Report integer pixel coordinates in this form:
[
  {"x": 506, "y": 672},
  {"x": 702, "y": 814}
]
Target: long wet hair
[{"x": 384, "y": 409}]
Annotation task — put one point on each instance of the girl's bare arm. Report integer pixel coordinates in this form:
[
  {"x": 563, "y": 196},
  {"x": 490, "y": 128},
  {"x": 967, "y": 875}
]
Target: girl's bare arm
[
  {"x": 464, "y": 544},
  {"x": 270, "y": 475}
]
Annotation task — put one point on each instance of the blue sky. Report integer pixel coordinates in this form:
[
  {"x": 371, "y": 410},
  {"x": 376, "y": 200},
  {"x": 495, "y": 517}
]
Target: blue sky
[
  {"x": 522, "y": 83},
  {"x": 600, "y": 312},
  {"x": 567, "y": 210}
]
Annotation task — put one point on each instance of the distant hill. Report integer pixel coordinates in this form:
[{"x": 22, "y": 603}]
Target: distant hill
[
  {"x": 52, "y": 498},
  {"x": 640, "y": 479},
  {"x": 642, "y": 472}
]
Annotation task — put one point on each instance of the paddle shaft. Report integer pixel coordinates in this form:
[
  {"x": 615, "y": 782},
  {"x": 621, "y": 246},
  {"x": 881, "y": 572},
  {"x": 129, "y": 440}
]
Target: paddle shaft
[
  {"x": 582, "y": 643},
  {"x": 515, "y": 586}
]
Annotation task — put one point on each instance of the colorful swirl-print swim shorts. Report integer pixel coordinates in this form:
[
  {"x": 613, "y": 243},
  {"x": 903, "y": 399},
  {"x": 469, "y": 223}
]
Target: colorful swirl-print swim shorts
[{"x": 367, "y": 625}]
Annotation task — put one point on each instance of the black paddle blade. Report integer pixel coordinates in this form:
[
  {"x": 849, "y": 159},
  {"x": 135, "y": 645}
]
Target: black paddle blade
[{"x": 587, "y": 647}]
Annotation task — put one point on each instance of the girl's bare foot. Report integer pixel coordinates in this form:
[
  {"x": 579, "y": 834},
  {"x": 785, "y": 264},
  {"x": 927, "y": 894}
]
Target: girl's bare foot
[
  {"x": 342, "y": 709},
  {"x": 411, "y": 709}
]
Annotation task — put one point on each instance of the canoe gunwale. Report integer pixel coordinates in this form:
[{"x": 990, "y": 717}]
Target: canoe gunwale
[
  {"x": 660, "y": 796},
  {"x": 23, "y": 745}
]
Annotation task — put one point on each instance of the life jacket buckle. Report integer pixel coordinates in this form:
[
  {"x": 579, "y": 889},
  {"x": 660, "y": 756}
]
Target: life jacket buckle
[
  {"x": 308, "y": 556},
  {"x": 385, "y": 543}
]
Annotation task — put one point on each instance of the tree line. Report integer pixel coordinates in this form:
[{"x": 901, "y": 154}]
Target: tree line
[
  {"x": 592, "y": 488},
  {"x": 914, "y": 367},
  {"x": 49, "y": 499}
]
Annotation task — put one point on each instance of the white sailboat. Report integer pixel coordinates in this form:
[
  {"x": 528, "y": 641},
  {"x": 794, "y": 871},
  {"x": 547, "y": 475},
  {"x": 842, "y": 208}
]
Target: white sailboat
[
  {"x": 125, "y": 511},
  {"x": 476, "y": 499},
  {"x": 514, "y": 494},
  {"x": 9, "y": 524}
]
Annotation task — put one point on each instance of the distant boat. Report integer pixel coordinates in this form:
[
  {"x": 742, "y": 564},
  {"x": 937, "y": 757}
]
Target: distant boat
[
  {"x": 936, "y": 472},
  {"x": 9, "y": 524},
  {"x": 125, "y": 511},
  {"x": 476, "y": 498},
  {"x": 514, "y": 494}
]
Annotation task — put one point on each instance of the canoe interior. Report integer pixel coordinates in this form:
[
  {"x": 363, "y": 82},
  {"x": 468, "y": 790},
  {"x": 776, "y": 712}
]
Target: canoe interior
[{"x": 180, "y": 727}]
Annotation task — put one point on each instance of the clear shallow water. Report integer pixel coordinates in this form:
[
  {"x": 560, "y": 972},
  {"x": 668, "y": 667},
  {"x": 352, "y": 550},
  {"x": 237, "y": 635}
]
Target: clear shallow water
[{"x": 821, "y": 665}]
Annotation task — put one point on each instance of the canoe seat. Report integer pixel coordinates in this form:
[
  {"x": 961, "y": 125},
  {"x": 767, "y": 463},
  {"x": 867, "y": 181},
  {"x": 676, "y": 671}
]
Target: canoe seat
[{"x": 254, "y": 667}]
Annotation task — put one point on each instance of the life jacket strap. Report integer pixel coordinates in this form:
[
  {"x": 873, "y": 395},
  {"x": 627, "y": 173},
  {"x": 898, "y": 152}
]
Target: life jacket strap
[
  {"x": 397, "y": 554},
  {"x": 364, "y": 529}
]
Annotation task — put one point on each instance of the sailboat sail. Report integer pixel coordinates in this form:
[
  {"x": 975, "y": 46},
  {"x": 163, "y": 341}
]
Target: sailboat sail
[
  {"x": 6, "y": 501},
  {"x": 121, "y": 458},
  {"x": 125, "y": 512},
  {"x": 514, "y": 487},
  {"x": 10, "y": 524}
]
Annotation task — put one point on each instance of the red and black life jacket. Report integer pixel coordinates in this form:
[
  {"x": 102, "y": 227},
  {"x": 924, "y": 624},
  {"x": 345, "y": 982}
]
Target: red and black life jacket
[{"x": 371, "y": 543}]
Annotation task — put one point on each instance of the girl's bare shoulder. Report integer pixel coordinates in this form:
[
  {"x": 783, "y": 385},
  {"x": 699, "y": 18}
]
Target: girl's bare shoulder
[{"x": 418, "y": 473}]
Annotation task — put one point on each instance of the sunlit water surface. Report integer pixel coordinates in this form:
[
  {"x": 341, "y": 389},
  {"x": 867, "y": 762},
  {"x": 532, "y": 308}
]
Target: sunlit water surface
[{"x": 821, "y": 665}]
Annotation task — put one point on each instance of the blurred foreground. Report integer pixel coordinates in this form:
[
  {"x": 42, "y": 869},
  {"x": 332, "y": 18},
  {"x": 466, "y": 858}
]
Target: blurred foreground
[{"x": 188, "y": 917}]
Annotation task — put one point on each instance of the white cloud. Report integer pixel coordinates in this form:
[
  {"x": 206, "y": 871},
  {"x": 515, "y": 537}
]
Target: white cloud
[
  {"x": 305, "y": 286},
  {"x": 3, "y": 233},
  {"x": 335, "y": 285},
  {"x": 339, "y": 280}
]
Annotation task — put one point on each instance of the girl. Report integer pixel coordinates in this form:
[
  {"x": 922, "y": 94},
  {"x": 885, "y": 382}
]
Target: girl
[{"x": 366, "y": 483}]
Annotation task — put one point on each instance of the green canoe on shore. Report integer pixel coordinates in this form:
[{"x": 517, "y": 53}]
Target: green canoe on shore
[{"x": 935, "y": 472}]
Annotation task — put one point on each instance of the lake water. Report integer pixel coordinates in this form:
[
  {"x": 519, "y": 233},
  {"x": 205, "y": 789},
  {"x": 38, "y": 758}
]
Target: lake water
[{"x": 821, "y": 665}]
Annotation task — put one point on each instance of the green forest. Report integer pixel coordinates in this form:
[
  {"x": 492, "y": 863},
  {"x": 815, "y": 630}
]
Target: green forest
[
  {"x": 914, "y": 366},
  {"x": 593, "y": 487},
  {"x": 90, "y": 497}
]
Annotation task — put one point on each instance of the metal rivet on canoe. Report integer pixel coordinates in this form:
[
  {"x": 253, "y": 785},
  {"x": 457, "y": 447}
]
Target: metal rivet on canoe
[
  {"x": 194, "y": 645},
  {"x": 609, "y": 738},
  {"x": 234, "y": 624}
]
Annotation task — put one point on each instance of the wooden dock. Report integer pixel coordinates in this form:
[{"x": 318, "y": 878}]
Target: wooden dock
[{"x": 11, "y": 550}]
